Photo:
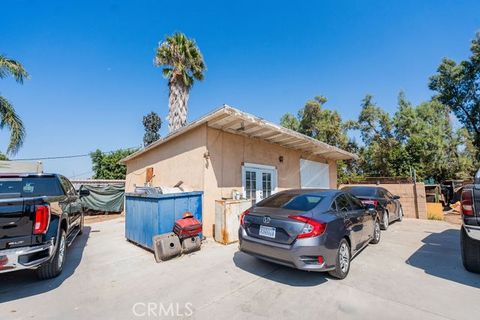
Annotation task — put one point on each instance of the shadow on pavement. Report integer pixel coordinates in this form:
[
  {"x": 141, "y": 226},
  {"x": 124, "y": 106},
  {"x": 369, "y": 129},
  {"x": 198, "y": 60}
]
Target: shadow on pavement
[
  {"x": 440, "y": 256},
  {"x": 24, "y": 283},
  {"x": 278, "y": 273}
]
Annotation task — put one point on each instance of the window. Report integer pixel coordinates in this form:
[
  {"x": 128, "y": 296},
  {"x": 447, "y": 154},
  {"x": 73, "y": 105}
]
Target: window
[
  {"x": 292, "y": 201},
  {"x": 67, "y": 186},
  {"x": 333, "y": 206},
  {"x": 356, "y": 204},
  {"x": 382, "y": 193},
  {"x": 362, "y": 191},
  {"x": 259, "y": 181},
  {"x": 267, "y": 184},
  {"x": 343, "y": 205},
  {"x": 250, "y": 184},
  {"x": 30, "y": 186},
  {"x": 388, "y": 194}
]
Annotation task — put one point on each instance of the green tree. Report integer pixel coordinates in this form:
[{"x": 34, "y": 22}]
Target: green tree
[
  {"x": 106, "y": 165},
  {"x": 8, "y": 116},
  {"x": 152, "y": 124},
  {"x": 327, "y": 126},
  {"x": 458, "y": 87},
  {"x": 183, "y": 64},
  {"x": 428, "y": 137},
  {"x": 289, "y": 121},
  {"x": 382, "y": 154}
]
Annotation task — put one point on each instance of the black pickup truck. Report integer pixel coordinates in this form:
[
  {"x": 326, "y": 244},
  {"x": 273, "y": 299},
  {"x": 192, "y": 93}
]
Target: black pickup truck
[
  {"x": 470, "y": 233},
  {"x": 40, "y": 216}
]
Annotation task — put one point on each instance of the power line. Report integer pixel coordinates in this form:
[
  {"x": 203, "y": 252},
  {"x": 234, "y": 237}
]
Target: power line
[
  {"x": 66, "y": 157},
  {"x": 53, "y": 158}
]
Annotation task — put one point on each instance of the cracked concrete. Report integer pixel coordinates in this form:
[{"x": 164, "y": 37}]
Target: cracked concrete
[{"x": 415, "y": 272}]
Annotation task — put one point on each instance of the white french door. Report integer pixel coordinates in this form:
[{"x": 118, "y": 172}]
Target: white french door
[{"x": 258, "y": 181}]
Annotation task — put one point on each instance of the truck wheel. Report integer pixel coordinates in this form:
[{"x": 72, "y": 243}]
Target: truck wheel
[
  {"x": 342, "y": 266},
  {"x": 54, "y": 266},
  {"x": 470, "y": 252}
]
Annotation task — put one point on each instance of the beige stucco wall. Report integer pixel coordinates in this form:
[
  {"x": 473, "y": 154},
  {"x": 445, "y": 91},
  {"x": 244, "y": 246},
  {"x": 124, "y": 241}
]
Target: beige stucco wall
[
  {"x": 180, "y": 159},
  {"x": 183, "y": 158}
]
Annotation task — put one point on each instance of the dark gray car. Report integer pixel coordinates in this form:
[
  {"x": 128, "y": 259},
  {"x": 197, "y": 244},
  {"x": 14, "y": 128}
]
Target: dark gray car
[{"x": 314, "y": 230}]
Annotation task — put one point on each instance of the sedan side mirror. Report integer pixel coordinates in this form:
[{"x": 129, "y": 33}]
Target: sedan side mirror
[
  {"x": 395, "y": 197},
  {"x": 84, "y": 192}
]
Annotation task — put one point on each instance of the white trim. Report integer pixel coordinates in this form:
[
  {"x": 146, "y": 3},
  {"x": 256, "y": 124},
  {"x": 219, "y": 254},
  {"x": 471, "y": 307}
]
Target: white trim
[{"x": 259, "y": 166}]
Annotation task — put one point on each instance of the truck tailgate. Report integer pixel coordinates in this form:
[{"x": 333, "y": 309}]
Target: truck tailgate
[{"x": 16, "y": 223}]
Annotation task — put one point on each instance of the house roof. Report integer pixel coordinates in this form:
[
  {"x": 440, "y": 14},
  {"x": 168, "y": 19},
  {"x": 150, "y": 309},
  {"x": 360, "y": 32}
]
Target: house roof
[{"x": 232, "y": 120}]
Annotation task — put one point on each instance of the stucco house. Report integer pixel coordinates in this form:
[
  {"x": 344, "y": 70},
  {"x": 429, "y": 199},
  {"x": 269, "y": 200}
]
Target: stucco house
[{"x": 228, "y": 150}]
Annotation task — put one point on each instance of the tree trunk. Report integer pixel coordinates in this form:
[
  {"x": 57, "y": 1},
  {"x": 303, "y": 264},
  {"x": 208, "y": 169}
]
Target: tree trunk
[{"x": 178, "y": 105}]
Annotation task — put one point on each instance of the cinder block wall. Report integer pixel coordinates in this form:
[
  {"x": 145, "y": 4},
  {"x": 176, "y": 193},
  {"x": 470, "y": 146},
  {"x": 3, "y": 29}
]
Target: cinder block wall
[{"x": 412, "y": 197}]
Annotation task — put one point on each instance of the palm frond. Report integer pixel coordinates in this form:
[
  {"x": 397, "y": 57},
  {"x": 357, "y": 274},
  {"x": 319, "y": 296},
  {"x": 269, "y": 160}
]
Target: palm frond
[
  {"x": 10, "y": 119},
  {"x": 183, "y": 59},
  {"x": 12, "y": 67}
]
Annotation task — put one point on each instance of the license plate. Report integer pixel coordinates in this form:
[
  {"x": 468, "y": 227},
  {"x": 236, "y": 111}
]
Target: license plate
[{"x": 267, "y": 231}]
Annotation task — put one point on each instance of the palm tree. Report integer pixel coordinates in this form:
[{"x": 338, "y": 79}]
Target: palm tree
[
  {"x": 8, "y": 116},
  {"x": 183, "y": 64}
]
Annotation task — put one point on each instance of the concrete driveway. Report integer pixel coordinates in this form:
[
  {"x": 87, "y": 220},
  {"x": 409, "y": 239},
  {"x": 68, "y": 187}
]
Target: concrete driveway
[{"x": 415, "y": 272}]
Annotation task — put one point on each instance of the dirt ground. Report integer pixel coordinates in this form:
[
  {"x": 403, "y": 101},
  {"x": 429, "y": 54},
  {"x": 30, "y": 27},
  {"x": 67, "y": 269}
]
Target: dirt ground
[
  {"x": 101, "y": 217},
  {"x": 453, "y": 218}
]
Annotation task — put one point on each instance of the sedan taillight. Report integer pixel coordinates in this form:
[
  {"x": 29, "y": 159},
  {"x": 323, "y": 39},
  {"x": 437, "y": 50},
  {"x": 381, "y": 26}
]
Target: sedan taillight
[
  {"x": 372, "y": 202},
  {"x": 467, "y": 203},
  {"x": 42, "y": 219},
  {"x": 242, "y": 216},
  {"x": 312, "y": 227}
]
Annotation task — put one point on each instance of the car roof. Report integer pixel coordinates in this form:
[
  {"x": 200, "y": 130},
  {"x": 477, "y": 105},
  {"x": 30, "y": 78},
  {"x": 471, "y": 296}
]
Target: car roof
[
  {"x": 360, "y": 187},
  {"x": 324, "y": 192}
]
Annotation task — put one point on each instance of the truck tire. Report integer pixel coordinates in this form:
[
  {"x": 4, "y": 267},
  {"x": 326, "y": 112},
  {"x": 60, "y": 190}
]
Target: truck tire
[
  {"x": 54, "y": 266},
  {"x": 470, "y": 252}
]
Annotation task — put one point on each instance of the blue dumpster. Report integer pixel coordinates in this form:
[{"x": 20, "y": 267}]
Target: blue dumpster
[{"x": 147, "y": 215}]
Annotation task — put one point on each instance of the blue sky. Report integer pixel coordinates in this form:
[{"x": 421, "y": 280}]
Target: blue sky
[{"x": 93, "y": 79}]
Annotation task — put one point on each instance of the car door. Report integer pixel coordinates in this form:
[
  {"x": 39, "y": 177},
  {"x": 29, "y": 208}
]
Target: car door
[
  {"x": 389, "y": 203},
  {"x": 395, "y": 204},
  {"x": 71, "y": 203},
  {"x": 353, "y": 220},
  {"x": 368, "y": 220}
]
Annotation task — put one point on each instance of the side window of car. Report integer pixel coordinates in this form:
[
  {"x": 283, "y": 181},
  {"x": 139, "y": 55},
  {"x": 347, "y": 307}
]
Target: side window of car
[
  {"x": 388, "y": 194},
  {"x": 67, "y": 186},
  {"x": 381, "y": 193},
  {"x": 356, "y": 204},
  {"x": 343, "y": 205},
  {"x": 333, "y": 206}
]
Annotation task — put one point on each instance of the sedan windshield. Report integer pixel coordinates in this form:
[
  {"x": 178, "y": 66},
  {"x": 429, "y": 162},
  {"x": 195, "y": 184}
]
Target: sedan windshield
[{"x": 299, "y": 202}]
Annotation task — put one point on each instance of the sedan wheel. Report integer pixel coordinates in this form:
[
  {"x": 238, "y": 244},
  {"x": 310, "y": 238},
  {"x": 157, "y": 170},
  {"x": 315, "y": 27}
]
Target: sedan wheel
[
  {"x": 385, "y": 220},
  {"x": 343, "y": 261},
  {"x": 376, "y": 233}
]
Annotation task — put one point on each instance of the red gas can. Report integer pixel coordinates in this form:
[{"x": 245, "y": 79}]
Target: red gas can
[{"x": 188, "y": 226}]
